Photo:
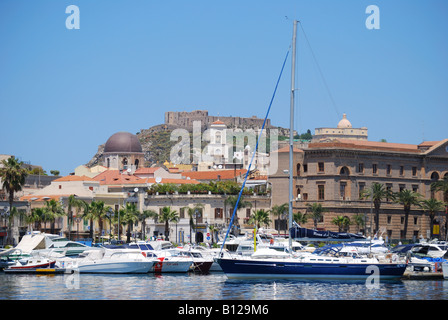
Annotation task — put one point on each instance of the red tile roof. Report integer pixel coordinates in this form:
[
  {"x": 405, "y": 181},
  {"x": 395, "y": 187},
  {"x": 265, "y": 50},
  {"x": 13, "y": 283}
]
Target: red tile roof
[
  {"x": 74, "y": 178},
  {"x": 109, "y": 177},
  {"x": 286, "y": 149}
]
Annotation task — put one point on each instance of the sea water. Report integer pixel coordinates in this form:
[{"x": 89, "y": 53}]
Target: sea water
[{"x": 213, "y": 286}]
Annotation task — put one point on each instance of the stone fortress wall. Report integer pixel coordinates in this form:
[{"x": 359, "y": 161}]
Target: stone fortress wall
[{"x": 185, "y": 119}]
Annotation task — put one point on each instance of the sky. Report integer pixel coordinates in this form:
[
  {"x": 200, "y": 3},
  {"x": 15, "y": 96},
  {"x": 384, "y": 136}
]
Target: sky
[{"x": 65, "y": 91}]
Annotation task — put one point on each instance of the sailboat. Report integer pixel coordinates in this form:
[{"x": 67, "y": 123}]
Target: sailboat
[{"x": 334, "y": 263}]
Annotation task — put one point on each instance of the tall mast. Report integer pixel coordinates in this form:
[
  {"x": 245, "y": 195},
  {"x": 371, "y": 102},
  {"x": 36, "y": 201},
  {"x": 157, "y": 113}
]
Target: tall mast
[{"x": 291, "y": 129}]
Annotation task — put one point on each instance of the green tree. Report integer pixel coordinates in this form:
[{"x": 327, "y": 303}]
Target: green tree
[
  {"x": 300, "y": 218},
  {"x": 99, "y": 210},
  {"x": 432, "y": 206},
  {"x": 260, "y": 217},
  {"x": 191, "y": 212},
  {"x": 167, "y": 215},
  {"x": 213, "y": 229},
  {"x": 13, "y": 175},
  {"x": 88, "y": 214},
  {"x": 37, "y": 216},
  {"x": 280, "y": 211},
  {"x": 72, "y": 203},
  {"x": 142, "y": 216},
  {"x": 317, "y": 212},
  {"x": 407, "y": 198},
  {"x": 441, "y": 185},
  {"x": 232, "y": 202},
  {"x": 53, "y": 210},
  {"x": 342, "y": 222},
  {"x": 129, "y": 218},
  {"x": 377, "y": 193},
  {"x": 360, "y": 221}
]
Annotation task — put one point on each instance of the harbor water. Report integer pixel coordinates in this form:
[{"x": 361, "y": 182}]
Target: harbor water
[{"x": 213, "y": 286}]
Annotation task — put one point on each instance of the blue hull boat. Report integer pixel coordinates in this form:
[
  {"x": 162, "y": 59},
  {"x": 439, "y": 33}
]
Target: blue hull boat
[{"x": 241, "y": 268}]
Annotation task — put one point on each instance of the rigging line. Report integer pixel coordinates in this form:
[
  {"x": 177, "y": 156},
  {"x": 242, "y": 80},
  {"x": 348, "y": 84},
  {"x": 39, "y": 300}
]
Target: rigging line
[
  {"x": 253, "y": 154},
  {"x": 320, "y": 71}
]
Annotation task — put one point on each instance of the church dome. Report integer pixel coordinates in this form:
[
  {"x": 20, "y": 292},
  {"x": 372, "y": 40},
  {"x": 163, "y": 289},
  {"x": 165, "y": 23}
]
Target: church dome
[
  {"x": 344, "y": 123},
  {"x": 123, "y": 142}
]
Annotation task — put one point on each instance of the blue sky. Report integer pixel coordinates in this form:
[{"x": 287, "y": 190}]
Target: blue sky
[{"x": 64, "y": 92}]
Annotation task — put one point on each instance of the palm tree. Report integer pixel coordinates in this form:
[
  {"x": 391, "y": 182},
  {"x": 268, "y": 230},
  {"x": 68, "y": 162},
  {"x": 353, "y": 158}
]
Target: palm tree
[
  {"x": 432, "y": 206},
  {"x": 342, "y": 222},
  {"x": 13, "y": 176},
  {"x": 317, "y": 212},
  {"x": 260, "y": 217},
  {"x": 53, "y": 210},
  {"x": 280, "y": 211},
  {"x": 142, "y": 216},
  {"x": 359, "y": 220},
  {"x": 232, "y": 201},
  {"x": 407, "y": 198},
  {"x": 167, "y": 215},
  {"x": 89, "y": 215},
  {"x": 213, "y": 229},
  {"x": 99, "y": 211},
  {"x": 377, "y": 193},
  {"x": 300, "y": 218},
  {"x": 441, "y": 185},
  {"x": 191, "y": 214},
  {"x": 130, "y": 216},
  {"x": 37, "y": 215},
  {"x": 73, "y": 202}
]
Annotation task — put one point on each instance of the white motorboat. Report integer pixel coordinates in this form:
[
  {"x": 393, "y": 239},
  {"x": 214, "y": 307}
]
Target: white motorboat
[
  {"x": 433, "y": 250},
  {"x": 167, "y": 262},
  {"x": 31, "y": 264},
  {"x": 201, "y": 263},
  {"x": 110, "y": 261}
]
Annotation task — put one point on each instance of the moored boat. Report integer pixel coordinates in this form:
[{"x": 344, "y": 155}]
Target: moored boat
[
  {"x": 280, "y": 265},
  {"x": 119, "y": 261},
  {"x": 32, "y": 263}
]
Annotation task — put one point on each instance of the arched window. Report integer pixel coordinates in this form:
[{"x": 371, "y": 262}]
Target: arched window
[
  {"x": 344, "y": 172},
  {"x": 434, "y": 176},
  {"x": 136, "y": 162}
]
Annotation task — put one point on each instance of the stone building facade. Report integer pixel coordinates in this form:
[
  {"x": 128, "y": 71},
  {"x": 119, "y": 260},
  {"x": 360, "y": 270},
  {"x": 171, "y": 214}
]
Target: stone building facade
[{"x": 334, "y": 173}]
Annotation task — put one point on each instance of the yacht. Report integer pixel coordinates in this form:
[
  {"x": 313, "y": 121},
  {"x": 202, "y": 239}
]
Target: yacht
[{"x": 110, "y": 261}]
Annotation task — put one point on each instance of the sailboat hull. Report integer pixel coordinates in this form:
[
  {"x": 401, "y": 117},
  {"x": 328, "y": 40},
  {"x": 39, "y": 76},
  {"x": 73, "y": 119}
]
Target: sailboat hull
[{"x": 289, "y": 269}]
